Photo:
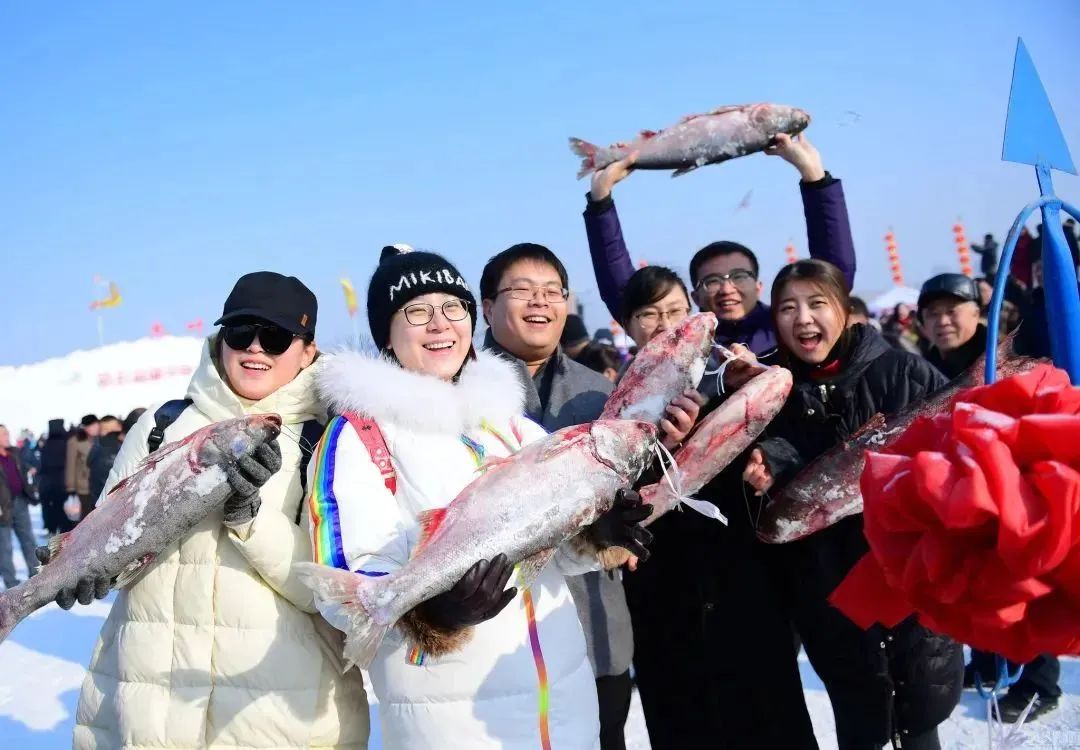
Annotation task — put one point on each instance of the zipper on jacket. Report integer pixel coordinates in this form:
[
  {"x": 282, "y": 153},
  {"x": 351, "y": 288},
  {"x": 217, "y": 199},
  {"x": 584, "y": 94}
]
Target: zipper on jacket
[{"x": 824, "y": 393}]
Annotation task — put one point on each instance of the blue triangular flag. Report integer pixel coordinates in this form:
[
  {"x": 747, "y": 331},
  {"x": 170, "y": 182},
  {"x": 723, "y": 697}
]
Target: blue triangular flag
[{"x": 1032, "y": 133}]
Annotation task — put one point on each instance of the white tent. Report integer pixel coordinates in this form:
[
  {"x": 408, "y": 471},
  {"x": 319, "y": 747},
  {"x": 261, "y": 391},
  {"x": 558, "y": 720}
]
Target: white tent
[
  {"x": 892, "y": 298},
  {"x": 112, "y": 379}
]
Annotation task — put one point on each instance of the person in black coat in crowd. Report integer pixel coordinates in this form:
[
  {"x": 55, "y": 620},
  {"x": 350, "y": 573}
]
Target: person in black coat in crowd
[
  {"x": 51, "y": 487},
  {"x": 101, "y": 457},
  {"x": 885, "y": 684}
]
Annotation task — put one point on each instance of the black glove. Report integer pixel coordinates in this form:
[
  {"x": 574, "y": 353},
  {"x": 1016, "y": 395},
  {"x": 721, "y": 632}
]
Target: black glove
[
  {"x": 620, "y": 526},
  {"x": 249, "y": 474},
  {"x": 477, "y": 597},
  {"x": 86, "y": 590}
]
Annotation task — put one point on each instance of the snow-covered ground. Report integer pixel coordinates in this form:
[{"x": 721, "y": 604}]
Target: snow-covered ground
[{"x": 43, "y": 662}]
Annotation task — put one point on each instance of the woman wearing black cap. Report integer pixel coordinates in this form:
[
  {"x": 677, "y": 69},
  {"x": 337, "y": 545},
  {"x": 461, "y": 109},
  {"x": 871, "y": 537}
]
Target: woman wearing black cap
[
  {"x": 216, "y": 644},
  {"x": 436, "y": 409}
]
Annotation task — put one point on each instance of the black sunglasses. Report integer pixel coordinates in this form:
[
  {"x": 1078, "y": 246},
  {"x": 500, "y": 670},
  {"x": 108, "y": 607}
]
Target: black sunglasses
[{"x": 274, "y": 339}]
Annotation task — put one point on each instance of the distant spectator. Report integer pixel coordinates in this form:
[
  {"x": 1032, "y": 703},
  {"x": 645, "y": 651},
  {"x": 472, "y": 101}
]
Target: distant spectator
[
  {"x": 575, "y": 336},
  {"x": 1020, "y": 268},
  {"x": 130, "y": 420},
  {"x": 989, "y": 252},
  {"x": 14, "y": 511},
  {"x": 101, "y": 457},
  {"x": 859, "y": 312},
  {"x": 76, "y": 470},
  {"x": 901, "y": 329},
  {"x": 603, "y": 359},
  {"x": 1070, "y": 239},
  {"x": 986, "y": 292},
  {"x": 604, "y": 337},
  {"x": 51, "y": 485}
]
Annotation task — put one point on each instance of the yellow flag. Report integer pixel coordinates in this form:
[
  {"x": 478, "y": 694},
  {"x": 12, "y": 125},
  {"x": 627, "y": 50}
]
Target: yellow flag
[
  {"x": 350, "y": 296},
  {"x": 113, "y": 300}
]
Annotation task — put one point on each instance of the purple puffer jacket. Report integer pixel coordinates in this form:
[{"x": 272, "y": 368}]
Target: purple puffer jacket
[{"x": 828, "y": 233}]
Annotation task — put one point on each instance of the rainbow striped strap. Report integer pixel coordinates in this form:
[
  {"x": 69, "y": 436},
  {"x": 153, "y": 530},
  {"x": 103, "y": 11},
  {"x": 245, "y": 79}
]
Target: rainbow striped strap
[
  {"x": 323, "y": 504},
  {"x": 544, "y": 692}
]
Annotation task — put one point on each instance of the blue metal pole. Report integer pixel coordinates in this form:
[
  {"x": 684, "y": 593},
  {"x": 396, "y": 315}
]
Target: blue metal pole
[
  {"x": 1059, "y": 280},
  {"x": 993, "y": 318}
]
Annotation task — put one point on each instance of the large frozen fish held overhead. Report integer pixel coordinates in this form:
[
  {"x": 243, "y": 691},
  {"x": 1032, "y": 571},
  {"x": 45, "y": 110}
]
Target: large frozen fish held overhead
[
  {"x": 524, "y": 507},
  {"x": 172, "y": 490},
  {"x": 697, "y": 140}
]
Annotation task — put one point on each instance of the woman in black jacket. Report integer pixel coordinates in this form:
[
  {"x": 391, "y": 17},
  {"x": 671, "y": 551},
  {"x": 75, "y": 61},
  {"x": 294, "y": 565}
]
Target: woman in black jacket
[{"x": 884, "y": 684}]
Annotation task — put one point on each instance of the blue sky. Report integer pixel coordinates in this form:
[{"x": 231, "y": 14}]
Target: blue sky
[{"x": 172, "y": 147}]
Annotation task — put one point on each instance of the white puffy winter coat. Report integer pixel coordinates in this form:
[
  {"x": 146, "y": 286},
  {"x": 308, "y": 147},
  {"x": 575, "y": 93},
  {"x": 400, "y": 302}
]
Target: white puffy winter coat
[
  {"x": 487, "y": 694},
  {"x": 215, "y": 645}
]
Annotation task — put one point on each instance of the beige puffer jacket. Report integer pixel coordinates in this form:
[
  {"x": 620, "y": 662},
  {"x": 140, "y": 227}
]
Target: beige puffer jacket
[{"x": 215, "y": 646}]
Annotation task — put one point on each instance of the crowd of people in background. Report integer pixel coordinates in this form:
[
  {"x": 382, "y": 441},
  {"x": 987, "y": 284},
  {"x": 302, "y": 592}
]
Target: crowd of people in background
[{"x": 705, "y": 619}]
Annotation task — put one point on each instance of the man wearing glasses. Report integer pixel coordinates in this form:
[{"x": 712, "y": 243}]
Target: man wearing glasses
[{"x": 523, "y": 290}]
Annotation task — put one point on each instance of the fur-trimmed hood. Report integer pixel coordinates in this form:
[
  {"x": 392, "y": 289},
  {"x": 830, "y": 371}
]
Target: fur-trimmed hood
[{"x": 376, "y": 387}]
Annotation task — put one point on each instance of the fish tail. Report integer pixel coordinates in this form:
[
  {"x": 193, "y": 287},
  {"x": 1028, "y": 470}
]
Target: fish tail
[
  {"x": 351, "y": 592},
  {"x": 587, "y": 151}
]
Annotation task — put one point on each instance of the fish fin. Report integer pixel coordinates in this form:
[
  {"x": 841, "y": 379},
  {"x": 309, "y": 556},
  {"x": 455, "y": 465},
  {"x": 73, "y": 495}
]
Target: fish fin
[
  {"x": 430, "y": 521},
  {"x": 431, "y": 640},
  {"x": 647, "y": 134},
  {"x": 56, "y": 544},
  {"x": 363, "y": 634},
  {"x": 131, "y": 572},
  {"x": 530, "y": 568},
  {"x": 684, "y": 170},
  {"x": 587, "y": 152}
]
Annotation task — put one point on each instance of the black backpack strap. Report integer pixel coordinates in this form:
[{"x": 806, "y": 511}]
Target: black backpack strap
[
  {"x": 310, "y": 434},
  {"x": 166, "y": 414}
]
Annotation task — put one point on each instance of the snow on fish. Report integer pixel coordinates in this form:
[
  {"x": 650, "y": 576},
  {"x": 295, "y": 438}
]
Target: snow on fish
[
  {"x": 523, "y": 506},
  {"x": 669, "y": 364},
  {"x": 697, "y": 140},
  {"x": 172, "y": 490}
]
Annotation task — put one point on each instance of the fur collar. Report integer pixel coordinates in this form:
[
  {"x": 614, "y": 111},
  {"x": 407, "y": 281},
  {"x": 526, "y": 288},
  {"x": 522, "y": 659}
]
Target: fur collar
[{"x": 488, "y": 389}]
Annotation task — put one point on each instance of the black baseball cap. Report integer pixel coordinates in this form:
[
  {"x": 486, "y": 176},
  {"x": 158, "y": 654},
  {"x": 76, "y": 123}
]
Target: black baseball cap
[
  {"x": 281, "y": 300},
  {"x": 948, "y": 285}
]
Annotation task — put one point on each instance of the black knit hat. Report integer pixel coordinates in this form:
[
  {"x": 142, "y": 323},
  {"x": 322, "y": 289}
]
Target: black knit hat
[{"x": 405, "y": 274}]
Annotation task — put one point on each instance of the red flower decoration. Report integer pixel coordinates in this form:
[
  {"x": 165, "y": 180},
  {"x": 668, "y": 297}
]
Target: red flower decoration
[{"x": 973, "y": 521}]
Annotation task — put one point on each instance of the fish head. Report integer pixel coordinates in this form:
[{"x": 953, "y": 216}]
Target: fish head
[
  {"x": 779, "y": 118},
  {"x": 693, "y": 343},
  {"x": 229, "y": 441},
  {"x": 625, "y": 446}
]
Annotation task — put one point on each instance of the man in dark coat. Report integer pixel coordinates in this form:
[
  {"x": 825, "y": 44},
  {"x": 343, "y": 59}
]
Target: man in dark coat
[
  {"x": 949, "y": 314},
  {"x": 52, "y": 481}
]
